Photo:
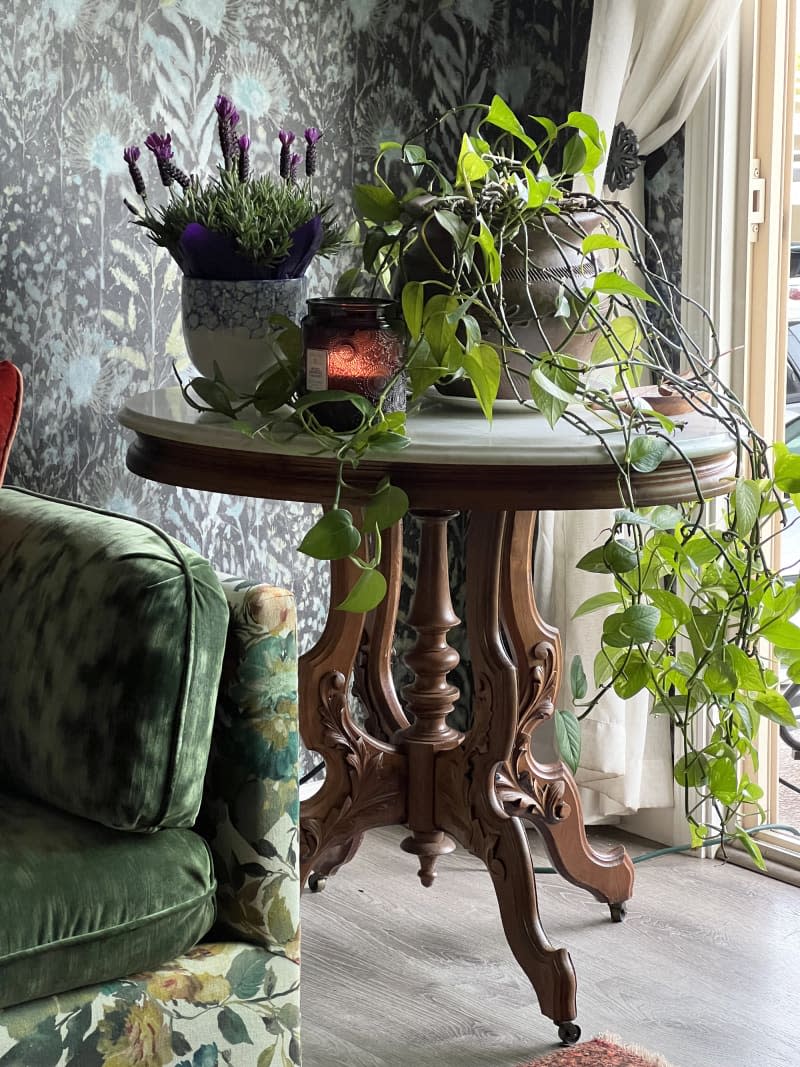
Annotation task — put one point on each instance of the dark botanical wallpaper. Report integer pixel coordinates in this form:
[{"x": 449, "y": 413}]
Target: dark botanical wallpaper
[{"x": 90, "y": 309}]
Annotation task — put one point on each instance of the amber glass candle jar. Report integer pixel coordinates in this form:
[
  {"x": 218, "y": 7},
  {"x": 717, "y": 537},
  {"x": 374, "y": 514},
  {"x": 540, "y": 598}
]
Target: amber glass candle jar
[{"x": 356, "y": 345}]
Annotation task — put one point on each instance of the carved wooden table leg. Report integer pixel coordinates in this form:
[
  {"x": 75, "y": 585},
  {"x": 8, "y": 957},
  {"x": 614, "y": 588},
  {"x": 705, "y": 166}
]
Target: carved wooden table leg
[
  {"x": 365, "y": 779},
  {"x": 373, "y": 683},
  {"x": 430, "y": 697},
  {"x": 467, "y": 803},
  {"x": 546, "y": 794}
]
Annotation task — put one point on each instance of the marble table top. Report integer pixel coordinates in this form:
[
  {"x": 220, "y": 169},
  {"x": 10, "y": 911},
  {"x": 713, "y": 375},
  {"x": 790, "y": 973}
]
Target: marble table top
[{"x": 439, "y": 432}]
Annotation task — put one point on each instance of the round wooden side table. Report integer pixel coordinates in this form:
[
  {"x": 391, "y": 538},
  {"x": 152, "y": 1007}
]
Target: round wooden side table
[{"x": 407, "y": 766}]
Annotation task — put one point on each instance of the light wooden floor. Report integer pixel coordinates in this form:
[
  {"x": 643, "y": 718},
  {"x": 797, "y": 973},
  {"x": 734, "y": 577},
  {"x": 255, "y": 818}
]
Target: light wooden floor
[{"x": 704, "y": 970}]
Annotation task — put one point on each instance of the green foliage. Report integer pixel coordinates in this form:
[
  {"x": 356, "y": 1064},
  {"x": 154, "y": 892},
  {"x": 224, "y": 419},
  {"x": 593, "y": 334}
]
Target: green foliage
[
  {"x": 439, "y": 246},
  {"x": 695, "y": 616},
  {"x": 689, "y": 625},
  {"x": 260, "y": 215},
  {"x": 568, "y": 738}
]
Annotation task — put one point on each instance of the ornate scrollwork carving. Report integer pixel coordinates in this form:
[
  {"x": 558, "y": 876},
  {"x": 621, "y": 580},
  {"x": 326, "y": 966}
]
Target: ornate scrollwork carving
[
  {"x": 543, "y": 683},
  {"x": 370, "y": 778},
  {"x": 532, "y": 798}
]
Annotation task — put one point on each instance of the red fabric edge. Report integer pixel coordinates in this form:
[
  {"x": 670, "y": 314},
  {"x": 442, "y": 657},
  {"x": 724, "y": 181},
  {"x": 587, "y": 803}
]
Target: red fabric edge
[{"x": 10, "y": 388}]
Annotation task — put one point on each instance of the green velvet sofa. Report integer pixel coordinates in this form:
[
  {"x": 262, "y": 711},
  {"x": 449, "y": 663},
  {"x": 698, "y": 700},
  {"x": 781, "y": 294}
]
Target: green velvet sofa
[{"x": 149, "y": 884}]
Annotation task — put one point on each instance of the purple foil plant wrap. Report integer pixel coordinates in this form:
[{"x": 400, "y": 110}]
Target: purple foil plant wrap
[{"x": 205, "y": 254}]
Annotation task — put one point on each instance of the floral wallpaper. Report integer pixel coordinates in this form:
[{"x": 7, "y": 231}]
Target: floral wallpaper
[{"x": 90, "y": 309}]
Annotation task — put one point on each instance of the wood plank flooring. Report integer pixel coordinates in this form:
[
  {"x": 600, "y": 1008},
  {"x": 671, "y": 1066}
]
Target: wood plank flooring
[{"x": 705, "y": 969}]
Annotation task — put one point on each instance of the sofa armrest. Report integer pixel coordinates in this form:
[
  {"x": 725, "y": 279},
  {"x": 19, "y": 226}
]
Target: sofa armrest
[{"x": 250, "y": 810}]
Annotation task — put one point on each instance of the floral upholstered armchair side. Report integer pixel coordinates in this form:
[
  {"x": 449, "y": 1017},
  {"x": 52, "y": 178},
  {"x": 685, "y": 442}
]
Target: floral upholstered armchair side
[{"x": 234, "y": 999}]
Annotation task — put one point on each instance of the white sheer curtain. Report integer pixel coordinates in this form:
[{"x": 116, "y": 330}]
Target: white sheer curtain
[{"x": 647, "y": 63}]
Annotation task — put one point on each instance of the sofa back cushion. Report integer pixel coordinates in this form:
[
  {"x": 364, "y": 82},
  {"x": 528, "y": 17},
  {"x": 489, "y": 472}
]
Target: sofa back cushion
[{"x": 110, "y": 658}]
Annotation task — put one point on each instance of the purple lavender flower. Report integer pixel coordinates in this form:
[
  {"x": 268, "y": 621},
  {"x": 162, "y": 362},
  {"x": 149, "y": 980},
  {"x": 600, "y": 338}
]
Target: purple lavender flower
[
  {"x": 227, "y": 120},
  {"x": 160, "y": 145},
  {"x": 286, "y": 137},
  {"x": 244, "y": 157},
  {"x": 224, "y": 106},
  {"x": 312, "y": 135},
  {"x": 294, "y": 163},
  {"x": 131, "y": 156}
]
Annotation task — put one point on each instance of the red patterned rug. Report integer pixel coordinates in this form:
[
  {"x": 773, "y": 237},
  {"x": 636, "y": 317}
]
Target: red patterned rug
[{"x": 603, "y": 1051}]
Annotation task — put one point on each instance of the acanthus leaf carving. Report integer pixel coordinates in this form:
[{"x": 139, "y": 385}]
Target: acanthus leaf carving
[{"x": 372, "y": 785}]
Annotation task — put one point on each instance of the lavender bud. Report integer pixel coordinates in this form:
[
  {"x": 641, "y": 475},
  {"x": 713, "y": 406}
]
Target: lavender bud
[
  {"x": 225, "y": 140},
  {"x": 223, "y": 106},
  {"x": 294, "y": 162},
  {"x": 164, "y": 171},
  {"x": 131, "y": 207},
  {"x": 227, "y": 120},
  {"x": 286, "y": 137},
  {"x": 244, "y": 157},
  {"x": 131, "y": 155},
  {"x": 181, "y": 177},
  {"x": 312, "y": 135}
]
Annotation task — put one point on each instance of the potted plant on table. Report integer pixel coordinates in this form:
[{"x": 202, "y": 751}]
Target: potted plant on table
[
  {"x": 243, "y": 243},
  {"x": 693, "y": 605}
]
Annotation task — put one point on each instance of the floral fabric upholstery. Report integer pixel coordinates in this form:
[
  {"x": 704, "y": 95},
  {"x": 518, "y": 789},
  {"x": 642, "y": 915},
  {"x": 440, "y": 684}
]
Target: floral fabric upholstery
[{"x": 225, "y": 1003}]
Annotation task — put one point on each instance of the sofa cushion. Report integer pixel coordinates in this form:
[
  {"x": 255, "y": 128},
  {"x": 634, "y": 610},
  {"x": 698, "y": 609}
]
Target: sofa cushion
[
  {"x": 113, "y": 639},
  {"x": 82, "y": 903}
]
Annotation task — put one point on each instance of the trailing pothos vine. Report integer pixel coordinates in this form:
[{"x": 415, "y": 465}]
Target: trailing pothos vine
[{"x": 694, "y": 615}]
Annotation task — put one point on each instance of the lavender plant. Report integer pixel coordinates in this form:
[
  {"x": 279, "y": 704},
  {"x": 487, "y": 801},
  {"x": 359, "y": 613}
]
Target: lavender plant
[{"x": 233, "y": 225}]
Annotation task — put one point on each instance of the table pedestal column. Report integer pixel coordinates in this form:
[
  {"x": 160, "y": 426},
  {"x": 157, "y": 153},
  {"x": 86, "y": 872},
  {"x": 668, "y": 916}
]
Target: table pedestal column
[{"x": 429, "y": 698}]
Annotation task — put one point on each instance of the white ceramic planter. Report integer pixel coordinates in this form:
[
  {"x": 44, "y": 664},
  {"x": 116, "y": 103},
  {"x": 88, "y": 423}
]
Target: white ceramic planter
[{"x": 228, "y": 323}]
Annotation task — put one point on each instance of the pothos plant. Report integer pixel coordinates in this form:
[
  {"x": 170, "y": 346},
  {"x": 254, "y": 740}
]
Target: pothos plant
[{"x": 694, "y": 614}]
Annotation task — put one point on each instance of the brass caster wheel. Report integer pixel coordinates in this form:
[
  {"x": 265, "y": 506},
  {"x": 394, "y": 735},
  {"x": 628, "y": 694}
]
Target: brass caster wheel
[
  {"x": 618, "y": 912},
  {"x": 568, "y": 1033},
  {"x": 316, "y": 882}
]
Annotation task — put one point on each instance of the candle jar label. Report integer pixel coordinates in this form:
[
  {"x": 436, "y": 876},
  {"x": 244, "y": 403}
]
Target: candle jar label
[{"x": 316, "y": 369}]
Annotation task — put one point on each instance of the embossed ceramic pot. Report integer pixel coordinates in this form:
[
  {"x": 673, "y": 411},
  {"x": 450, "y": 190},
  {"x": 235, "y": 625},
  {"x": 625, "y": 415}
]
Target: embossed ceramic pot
[
  {"x": 535, "y": 267},
  {"x": 227, "y": 322}
]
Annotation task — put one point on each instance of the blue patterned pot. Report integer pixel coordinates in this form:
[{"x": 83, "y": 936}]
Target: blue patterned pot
[{"x": 228, "y": 323}]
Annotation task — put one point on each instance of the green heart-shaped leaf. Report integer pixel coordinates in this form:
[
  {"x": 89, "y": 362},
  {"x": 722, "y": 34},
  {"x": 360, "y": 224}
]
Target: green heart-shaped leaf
[
  {"x": 332, "y": 537},
  {"x": 366, "y": 594},
  {"x": 568, "y": 738}
]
